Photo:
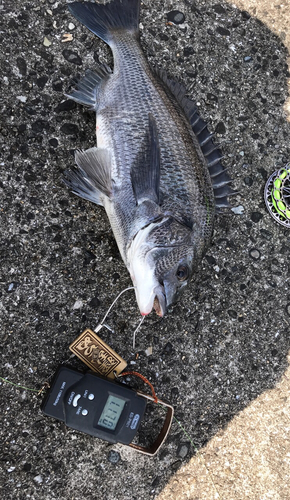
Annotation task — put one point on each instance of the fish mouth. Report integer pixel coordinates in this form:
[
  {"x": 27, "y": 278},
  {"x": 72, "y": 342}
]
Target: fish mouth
[
  {"x": 157, "y": 307},
  {"x": 157, "y": 301},
  {"x": 159, "y": 304}
]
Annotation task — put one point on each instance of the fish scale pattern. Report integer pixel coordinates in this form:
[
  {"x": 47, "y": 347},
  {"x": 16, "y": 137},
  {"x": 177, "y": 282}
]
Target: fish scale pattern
[{"x": 131, "y": 93}]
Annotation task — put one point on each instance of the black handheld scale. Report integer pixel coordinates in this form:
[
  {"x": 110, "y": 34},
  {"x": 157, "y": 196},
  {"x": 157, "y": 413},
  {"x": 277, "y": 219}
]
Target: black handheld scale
[{"x": 100, "y": 407}]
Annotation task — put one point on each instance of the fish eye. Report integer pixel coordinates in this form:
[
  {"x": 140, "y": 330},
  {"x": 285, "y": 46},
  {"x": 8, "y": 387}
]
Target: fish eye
[{"x": 182, "y": 273}]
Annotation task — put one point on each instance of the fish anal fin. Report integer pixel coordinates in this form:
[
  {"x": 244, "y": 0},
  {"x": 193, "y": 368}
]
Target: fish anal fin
[
  {"x": 145, "y": 175},
  {"x": 86, "y": 90}
]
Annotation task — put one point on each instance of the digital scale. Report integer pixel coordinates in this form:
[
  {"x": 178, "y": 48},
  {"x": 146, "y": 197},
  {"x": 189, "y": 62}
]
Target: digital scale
[{"x": 102, "y": 408}]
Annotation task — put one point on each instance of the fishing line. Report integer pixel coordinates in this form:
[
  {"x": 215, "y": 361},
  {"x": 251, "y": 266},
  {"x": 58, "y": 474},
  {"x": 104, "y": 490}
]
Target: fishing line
[
  {"x": 45, "y": 386},
  {"x": 101, "y": 324},
  {"x": 17, "y": 385},
  {"x": 136, "y": 330},
  {"x": 112, "y": 305}
]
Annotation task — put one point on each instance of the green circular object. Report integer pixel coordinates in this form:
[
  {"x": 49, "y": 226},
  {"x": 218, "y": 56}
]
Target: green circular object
[{"x": 277, "y": 195}]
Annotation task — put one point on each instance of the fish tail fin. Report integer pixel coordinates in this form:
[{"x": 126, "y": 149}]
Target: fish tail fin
[{"x": 105, "y": 19}]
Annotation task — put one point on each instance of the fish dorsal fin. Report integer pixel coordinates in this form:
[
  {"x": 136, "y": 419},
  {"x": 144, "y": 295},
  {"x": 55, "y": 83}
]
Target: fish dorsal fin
[
  {"x": 178, "y": 90},
  {"x": 86, "y": 91},
  {"x": 145, "y": 174},
  {"x": 211, "y": 152},
  {"x": 92, "y": 179}
]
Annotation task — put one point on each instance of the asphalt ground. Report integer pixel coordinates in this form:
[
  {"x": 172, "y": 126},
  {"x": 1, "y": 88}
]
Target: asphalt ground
[{"x": 225, "y": 344}]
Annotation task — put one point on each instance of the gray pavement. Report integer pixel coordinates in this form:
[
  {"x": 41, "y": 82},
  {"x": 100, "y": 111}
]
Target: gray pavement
[{"x": 227, "y": 341}]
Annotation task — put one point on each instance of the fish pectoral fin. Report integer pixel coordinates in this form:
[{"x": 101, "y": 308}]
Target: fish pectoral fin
[
  {"x": 145, "y": 174},
  {"x": 92, "y": 180},
  {"x": 76, "y": 181},
  {"x": 86, "y": 91}
]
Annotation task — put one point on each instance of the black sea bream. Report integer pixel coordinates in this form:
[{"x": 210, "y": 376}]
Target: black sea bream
[{"x": 155, "y": 169}]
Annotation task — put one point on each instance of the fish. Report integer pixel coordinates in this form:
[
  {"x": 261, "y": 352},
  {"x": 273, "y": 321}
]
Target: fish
[{"x": 155, "y": 167}]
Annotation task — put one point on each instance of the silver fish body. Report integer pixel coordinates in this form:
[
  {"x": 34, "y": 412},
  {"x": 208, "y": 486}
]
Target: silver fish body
[{"x": 148, "y": 170}]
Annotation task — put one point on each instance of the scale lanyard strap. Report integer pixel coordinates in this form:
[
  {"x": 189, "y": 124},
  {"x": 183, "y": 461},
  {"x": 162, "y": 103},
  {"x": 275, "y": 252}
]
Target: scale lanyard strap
[{"x": 136, "y": 374}]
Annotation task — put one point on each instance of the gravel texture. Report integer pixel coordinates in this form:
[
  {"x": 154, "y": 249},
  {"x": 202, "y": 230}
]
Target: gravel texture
[{"x": 227, "y": 341}]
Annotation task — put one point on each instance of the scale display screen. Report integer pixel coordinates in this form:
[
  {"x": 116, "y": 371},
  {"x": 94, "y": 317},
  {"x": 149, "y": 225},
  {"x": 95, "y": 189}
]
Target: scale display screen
[{"x": 111, "y": 412}]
